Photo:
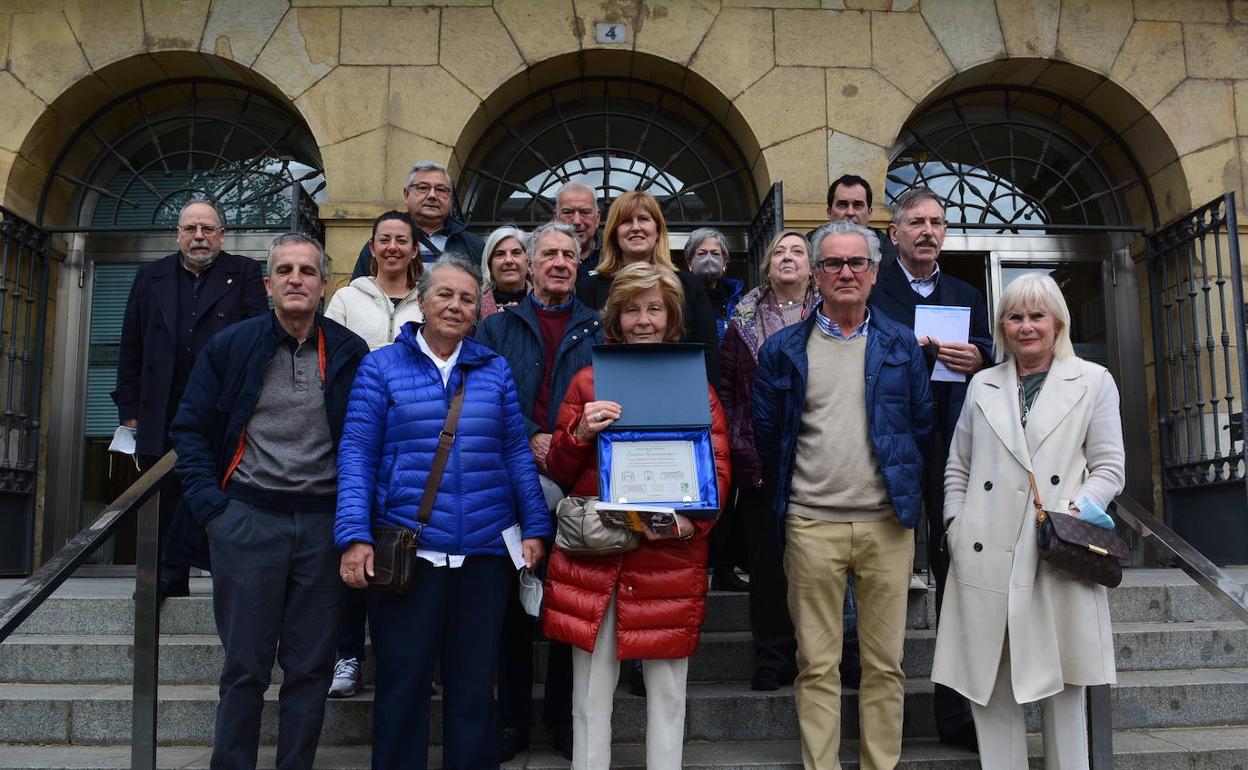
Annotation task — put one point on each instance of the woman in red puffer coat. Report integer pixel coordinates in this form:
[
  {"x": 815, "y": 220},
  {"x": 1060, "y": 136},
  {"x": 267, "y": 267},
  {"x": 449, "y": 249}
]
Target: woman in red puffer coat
[{"x": 647, "y": 603}]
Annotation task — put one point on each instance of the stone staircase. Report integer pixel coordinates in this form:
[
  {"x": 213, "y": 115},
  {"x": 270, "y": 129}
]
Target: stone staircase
[{"x": 1181, "y": 700}]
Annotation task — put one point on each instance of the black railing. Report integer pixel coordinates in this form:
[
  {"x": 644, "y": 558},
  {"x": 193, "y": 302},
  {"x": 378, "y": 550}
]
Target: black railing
[{"x": 141, "y": 499}]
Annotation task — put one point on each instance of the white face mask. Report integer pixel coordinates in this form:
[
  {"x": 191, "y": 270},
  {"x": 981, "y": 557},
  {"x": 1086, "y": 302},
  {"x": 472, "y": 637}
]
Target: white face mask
[{"x": 530, "y": 592}]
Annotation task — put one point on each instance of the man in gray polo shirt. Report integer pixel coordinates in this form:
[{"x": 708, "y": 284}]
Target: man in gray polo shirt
[{"x": 257, "y": 435}]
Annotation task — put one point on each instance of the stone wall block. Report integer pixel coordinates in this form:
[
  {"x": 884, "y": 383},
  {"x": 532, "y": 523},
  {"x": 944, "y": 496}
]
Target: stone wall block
[
  {"x": 1091, "y": 31},
  {"x": 21, "y": 109},
  {"x": 904, "y": 51},
  {"x": 403, "y": 149},
  {"x": 797, "y": 163},
  {"x": 674, "y": 30},
  {"x": 783, "y": 104},
  {"x": 1216, "y": 50},
  {"x": 108, "y": 30},
  {"x": 1181, "y": 10},
  {"x": 968, "y": 30},
  {"x": 849, "y": 155},
  {"x": 1029, "y": 26},
  {"x": 797, "y": 30},
  {"x": 7, "y": 159},
  {"x": 355, "y": 169},
  {"x": 238, "y": 29},
  {"x": 413, "y": 89},
  {"x": 542, "y": 29},
  {"x": 1241, "y": 108},
  {"x": 1241, "y": 200},
  {"x": 1150, "y": 63},
  {"x": 771, "y": 3},
  {"x": 345, "y": 103},
  {"x": 177, "y": 25},
  {"x": 6, "y": 24},
  {"x": 863, "y": 104},
  {"x": 303, "y": 49},
  {"x": 476, "y": 48},
  {"x": 738, "y": 50},
  {"x": 1197, "y": 114},
  {"x": 1152, "y": 147},
  {"x": 1239, "y": 13},
  {"x": 44, "y": 54},
  {"x": 392, "y": 36},
  {"x": 1212, "y": 171}
]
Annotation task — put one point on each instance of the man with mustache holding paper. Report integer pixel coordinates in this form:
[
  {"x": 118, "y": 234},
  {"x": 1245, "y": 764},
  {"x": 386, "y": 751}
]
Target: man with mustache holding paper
[{"x": 918, "y": 230}]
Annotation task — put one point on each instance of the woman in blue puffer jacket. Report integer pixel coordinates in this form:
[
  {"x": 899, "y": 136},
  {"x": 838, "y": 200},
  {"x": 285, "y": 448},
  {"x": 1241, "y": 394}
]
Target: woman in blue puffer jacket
[{"x": 454, "y": 614}]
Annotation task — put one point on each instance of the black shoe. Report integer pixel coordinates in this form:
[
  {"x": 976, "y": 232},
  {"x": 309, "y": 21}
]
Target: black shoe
[
  {"x": 725, "y": 579},
  {"x": 172, "y": 588},
  {"x": 561, "y": 740},
  {"x": 511, "y": 741},
  {"x": 964, "y": 738},
  {"x": 636, "y": 682},
  {"x": 765, "y": 680}
]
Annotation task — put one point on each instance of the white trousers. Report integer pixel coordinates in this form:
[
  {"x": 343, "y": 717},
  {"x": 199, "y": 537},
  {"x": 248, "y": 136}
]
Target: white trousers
[
  {"x": 1003, "y": 735},
  {"x": 594, "y": 677}
]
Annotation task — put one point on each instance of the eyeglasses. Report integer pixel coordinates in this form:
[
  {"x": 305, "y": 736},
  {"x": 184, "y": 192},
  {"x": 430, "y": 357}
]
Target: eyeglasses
[
  {"x": 190, "y": 230},
  {"x": 567, "y": 213},
  {"x": 442, "y": 190},
  {"x": 833, "y": 265}
]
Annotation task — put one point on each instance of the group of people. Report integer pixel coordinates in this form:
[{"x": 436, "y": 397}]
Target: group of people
[{"x": 449, "y": 389}]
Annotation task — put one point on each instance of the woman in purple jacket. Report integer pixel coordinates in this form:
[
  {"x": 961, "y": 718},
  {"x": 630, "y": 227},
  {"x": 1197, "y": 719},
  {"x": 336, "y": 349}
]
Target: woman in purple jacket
[{"x": 786, "y": 296}]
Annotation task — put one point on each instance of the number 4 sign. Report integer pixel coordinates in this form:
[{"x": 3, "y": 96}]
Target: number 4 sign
[{"x": 611, "y": 32}]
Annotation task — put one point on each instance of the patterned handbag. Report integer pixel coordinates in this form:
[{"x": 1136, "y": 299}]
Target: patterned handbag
[{"x": 1084, "y": 550}]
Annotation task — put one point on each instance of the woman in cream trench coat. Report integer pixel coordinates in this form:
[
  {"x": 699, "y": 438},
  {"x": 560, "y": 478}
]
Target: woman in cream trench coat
[{"x": 1056, "y": 627}]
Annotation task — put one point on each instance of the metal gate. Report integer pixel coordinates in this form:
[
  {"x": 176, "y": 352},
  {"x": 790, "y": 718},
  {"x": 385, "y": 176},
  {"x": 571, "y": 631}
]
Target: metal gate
[
  {"x": 767, "y": 221},
  {"x": 23, "y": 300},
  {"x": 1199, "y": 349}
]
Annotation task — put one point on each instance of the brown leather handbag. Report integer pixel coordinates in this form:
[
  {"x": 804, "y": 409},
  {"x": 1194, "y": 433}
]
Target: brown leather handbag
[
  {"x": 1084, "y": 550},
  {"x": 394, "y": 547}
]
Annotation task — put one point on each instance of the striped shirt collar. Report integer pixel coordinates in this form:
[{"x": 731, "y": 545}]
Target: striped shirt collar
[{"x": 832, "y": 328}]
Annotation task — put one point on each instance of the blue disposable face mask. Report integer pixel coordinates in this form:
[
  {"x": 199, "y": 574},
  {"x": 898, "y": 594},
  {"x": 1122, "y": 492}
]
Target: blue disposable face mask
[{"x": 1093, "y": 513}]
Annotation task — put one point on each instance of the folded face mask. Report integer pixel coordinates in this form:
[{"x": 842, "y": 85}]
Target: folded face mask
[
  {"x": 1093, "y": 514},
  {"x": 530, "y": 592}
]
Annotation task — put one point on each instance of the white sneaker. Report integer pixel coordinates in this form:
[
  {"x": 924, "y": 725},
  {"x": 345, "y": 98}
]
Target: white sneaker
[{"x": 346, "y": 678}]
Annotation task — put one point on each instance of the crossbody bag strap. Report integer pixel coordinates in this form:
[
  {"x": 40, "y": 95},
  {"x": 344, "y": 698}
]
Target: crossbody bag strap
[
  {"x": 445, "y": 439},
  {"x": 427, "y": 242},
  {"x": 1035, "y": 498}
]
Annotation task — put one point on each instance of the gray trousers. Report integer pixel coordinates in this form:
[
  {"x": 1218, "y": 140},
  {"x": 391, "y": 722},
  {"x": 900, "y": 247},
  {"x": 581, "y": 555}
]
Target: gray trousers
[{"x": 276, "y": 594}]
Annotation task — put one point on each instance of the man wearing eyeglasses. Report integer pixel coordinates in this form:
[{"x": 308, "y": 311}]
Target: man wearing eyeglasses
[
  {"x": 848, "y": 489},
  {"x": 176, "y": 304},
  {"x": 918, "y": 230},
  {"x": 429, "y": 197}
]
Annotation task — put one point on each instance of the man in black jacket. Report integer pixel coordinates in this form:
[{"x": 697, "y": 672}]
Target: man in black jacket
[
  {"x": 918, "y": 230},
  {"x": 546, "y": 339},
  {"x": 429, "y": 195},
  {"x": 849, "y": 197},
  {"x": 176, "y": 305}
]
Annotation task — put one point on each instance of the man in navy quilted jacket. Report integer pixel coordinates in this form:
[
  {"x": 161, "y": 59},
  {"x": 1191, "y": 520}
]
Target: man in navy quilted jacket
[
  {"x": 848, "y": 484},
  {"x": 257, "y": 439}
]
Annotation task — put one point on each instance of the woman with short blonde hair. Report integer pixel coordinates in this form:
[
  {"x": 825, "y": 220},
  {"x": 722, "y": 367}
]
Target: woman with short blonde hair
[{"x": 633, "y": 280}]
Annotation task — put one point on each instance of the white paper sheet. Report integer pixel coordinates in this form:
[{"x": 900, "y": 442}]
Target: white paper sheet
[
  {"x": 511, "y": 538},
  {"x": 946, "y": 323}
]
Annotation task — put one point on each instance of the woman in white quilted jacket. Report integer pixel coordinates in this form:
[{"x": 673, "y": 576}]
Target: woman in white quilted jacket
[{"x": 376, "y": 306}]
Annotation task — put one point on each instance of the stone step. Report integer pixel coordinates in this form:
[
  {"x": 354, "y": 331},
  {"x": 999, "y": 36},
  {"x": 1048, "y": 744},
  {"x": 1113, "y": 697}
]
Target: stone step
[
  {"x": 1216, "y": 748},
  {"x": 722, "y": 656},
  {"x": 103, "y": 606},
  {"x": 100, "y": 714},
  {"x": 70, "y": 612}
]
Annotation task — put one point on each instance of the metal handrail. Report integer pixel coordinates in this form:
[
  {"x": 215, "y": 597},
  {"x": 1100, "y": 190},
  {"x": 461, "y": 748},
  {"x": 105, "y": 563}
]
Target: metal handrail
[
  {"x": 142, "y": 497},
  {"x": 1207, "y": 575},
  {"x": 1168, "y": 543}
]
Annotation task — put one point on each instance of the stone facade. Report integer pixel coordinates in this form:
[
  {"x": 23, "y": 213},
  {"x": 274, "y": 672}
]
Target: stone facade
[{"x": 810, "y": 89}]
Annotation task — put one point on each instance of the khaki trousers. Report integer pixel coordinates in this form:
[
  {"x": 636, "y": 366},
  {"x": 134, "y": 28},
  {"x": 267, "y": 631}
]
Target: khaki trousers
[
  {"x": 594, "y": 677},
  {"x": 1003, "y": 735},
  {"x": 818, "y": 555}
]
